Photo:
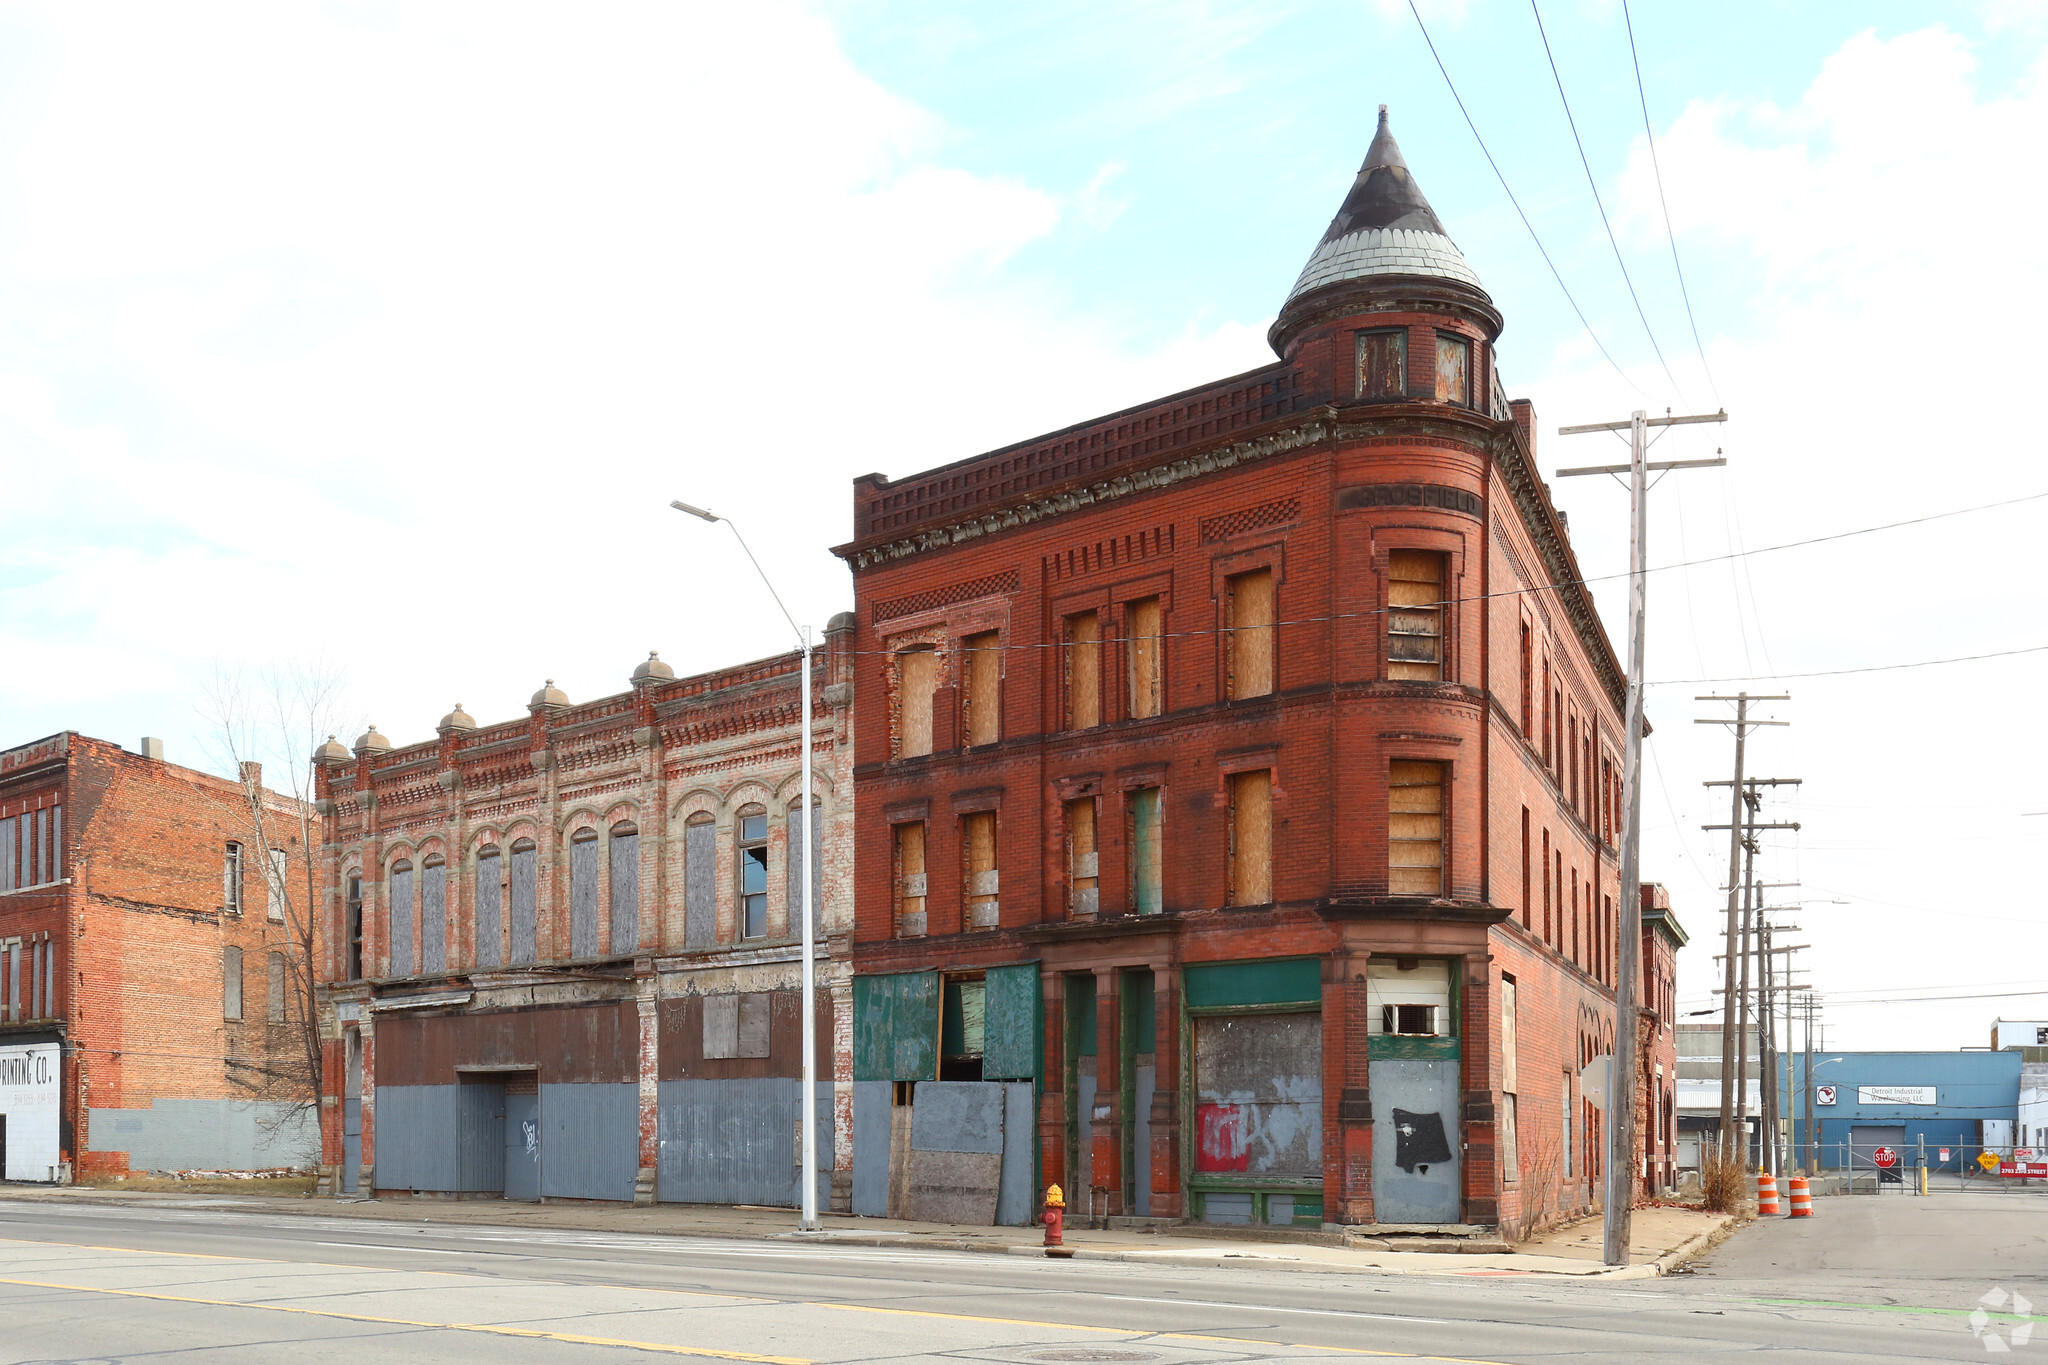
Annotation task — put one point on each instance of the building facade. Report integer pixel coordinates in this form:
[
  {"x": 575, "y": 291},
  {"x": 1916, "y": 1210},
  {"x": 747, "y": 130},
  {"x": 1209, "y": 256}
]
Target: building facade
[
  {"x": 1963, "y": 1102},
  {"x": 566, "y": 948},
  {"x": 1237, "y": 789},
  {"x": 147, "y": 1015},
  {"x": 1657, "y": 1043}
]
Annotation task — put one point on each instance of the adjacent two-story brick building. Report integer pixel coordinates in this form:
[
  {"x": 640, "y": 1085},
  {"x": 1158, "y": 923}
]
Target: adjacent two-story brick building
[
  {"x": 150, "y": 1017},
  {"x": 566, "y": 947},
  {"x": 1237, "y": 788}
]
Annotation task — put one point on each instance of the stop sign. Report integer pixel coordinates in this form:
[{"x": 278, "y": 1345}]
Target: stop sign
[{"x": 1885, "y": 1157}]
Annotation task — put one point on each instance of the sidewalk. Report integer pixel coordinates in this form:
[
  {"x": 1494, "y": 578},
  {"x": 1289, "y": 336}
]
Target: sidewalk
[{"x": 1663, "y": 1237}]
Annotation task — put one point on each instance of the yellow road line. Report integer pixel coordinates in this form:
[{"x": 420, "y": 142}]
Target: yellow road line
[{"x": 700, "y": 1352}]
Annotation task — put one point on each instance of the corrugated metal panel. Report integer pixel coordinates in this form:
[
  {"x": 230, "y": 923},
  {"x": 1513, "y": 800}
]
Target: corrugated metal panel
[
  {"x": 1016, "y": 1196},
  {"x": 434, "y": 919},
  {"x": 480, "y": 1135},
  {"x": 583, "y": 899},
  {"x": 700, "y": 885},
  {"x": 413, "y": 1127},
  {"x": 591, "y": 1140},
  {"x": 625, "y": 892},
  {"x": 1010, "y": 1045},
  {"x": 524, "y": 948},
  {"x": 736, "y": 1142},
  {"x": 896, "y": 1027},
  {"x": 872, "y": 1101}
]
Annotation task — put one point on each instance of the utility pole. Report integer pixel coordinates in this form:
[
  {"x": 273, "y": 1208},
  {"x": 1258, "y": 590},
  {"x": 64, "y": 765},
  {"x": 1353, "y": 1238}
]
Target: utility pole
[
  {"x": 1730, "y": 1031},
  {"x": 1812, "y": 1137},
  {"x": 1621, "y": 1121}
]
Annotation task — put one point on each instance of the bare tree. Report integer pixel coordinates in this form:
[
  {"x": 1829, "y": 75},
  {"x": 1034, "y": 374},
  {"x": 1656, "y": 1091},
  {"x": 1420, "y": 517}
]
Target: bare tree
[{"x": 271, "y": 724}]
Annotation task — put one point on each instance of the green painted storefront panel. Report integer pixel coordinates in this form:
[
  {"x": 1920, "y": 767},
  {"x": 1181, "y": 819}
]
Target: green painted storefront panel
[
  {"x": 1011, "y": 1046},
  {"x": 1287, "y": 981},
  {"x": 896, "y": 1027}
]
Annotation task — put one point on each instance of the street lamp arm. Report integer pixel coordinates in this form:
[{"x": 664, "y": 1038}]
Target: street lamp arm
[{"x": 766, "y": 582}]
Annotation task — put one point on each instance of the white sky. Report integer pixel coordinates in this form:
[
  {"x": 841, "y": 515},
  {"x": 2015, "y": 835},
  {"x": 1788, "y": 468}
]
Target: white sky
[{"x": 387, "y": 333}]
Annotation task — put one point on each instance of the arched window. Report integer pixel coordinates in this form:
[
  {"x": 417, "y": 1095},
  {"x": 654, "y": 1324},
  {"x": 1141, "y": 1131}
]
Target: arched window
[
  {"x": 750, "y": 841},
  {"x": 354, "y": 912},
  {"x": 583, "y": 855},
  {"x": 917, "y": 673},
  {"x": 625, "y": 867},
  {"x": 524, "y": 876},
  {"x": 490, "y": 905},
  {"x": 700, "y": 881},
  {"x": 433, "y": 914},
  {"x": 401, "y": 918}
]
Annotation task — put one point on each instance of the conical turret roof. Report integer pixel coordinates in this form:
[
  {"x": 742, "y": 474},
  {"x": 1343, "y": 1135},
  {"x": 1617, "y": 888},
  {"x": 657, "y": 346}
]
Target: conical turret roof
[{"x": 1385, "y": 227}]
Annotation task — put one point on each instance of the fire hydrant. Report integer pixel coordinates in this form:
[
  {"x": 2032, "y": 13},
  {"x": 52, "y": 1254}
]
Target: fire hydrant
[{"x": 1055, "y": 1218}]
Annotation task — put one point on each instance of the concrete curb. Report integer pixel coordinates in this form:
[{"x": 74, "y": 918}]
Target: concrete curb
[{"x": 1696, "y": 1246}]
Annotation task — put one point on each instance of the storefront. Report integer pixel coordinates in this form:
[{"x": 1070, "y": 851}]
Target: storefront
[{"x": 30, "y": 1083}]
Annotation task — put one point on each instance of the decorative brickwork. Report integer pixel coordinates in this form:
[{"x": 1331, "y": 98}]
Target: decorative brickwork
[
  {"x": 1277, "y": 513},
  {"x": 944, "y": 597}
]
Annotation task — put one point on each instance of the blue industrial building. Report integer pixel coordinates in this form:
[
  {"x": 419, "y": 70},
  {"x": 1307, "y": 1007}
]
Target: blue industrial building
[{"x": 1963, "y": 1101}]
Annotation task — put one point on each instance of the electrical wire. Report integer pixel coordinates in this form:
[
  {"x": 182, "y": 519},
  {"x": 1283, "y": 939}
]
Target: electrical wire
[
  {"x": 1594, "y": 186},
  {"x": 1840, "y": 672},
  {"x": 1670, "y": 234},
  {"x": 1541, "y": 249}
]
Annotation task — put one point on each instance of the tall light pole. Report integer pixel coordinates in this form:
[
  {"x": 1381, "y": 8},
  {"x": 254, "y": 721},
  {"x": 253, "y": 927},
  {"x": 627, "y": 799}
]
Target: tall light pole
[{"x": 807, "y": 1105}]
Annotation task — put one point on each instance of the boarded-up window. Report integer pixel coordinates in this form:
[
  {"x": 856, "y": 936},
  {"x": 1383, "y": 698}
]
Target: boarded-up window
[
  {"x": 1507, "y": 1035},
  {"x": 583, "y": 856},
  {"x": 1415, "y": 829},
  {"x": 1415, "y": 583},
  {"x": 700, "y": 881},
  {"x": 1382, "y": 364},
  {"x": 910, "y": 879},
  {"x": 1510, "y": 1141},
  {"x": 525, "y": 929},
  {"x": 1409, "y": 995},
  {"x": 1528, "y": 682},
  {"x": 230, "y": 878},
  {"x": 1143, "y": 654},
  {"x": 1083, "y": 898},
  {"x": 625, "y": 870},
  {"x": 1248, "y": 609},
  {"x": 1012, "y": 1033},
  {"x": 736, "y": 1025},
  {"x": 917, "y": 673},
  {"x": 1081, "y": 646},
  {"x": 896, "y": 1025},
  {"x": 353, "y": 909},
  {"x": 1453, "y": 369},
  {"x": 1251, "y": 837},
  {"x": 231, "y": 983},
  {"x": 750, "y": 832},
  {"x": 982, "y": 661},
  {"x": 401, "y": 919},
  {"x": 490, "y": 906},
  {"x": 1528, "y": 910},
  {"x": 434, "y": 915},
  {"x": 802, "y": 853},
  {"x": 978, "y": 850},
  {"x": 280, "y": 973},
  {"x": 1259, "y": 1094},
  {"x": 275, "y": 886},
  {"x": 1146, "y": 837}
]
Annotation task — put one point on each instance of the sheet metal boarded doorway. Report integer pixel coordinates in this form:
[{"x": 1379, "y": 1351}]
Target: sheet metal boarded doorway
[
  {"x": 1412, "y": 1044},
  {"x": 522, "y": 1136},
  {"x": 352, "y": 1116},
  {"x": 1253, "y": 1117}
]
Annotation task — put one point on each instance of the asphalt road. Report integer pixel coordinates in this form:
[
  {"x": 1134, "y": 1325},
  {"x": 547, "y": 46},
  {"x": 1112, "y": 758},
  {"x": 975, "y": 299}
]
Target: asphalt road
[{"x": 1894, "y": 1279}]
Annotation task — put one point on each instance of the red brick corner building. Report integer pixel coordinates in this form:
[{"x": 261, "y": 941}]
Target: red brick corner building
[{"x": 1237, "y": 789}]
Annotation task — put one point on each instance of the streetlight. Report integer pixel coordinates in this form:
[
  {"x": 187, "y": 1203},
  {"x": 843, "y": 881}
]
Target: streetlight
[{"x": 808, "y": 1105}]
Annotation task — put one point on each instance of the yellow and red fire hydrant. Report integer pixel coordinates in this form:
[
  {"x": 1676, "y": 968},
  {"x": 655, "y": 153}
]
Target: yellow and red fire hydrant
[{"x": 1055, "y": 1219}]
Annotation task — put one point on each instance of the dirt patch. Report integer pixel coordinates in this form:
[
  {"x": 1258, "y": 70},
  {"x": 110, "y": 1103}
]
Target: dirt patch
[{"x": 276, "y": 1186}]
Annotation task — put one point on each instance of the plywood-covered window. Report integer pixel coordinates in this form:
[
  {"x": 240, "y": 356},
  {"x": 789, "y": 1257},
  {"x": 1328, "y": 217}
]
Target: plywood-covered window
[
  {"x": 1083, "y": 896},
  {"x": 1248, "y": 613},
  {"x": 525, "y": 881},
  {"x": 625, "y": 887},
  {"x": 401, "y": 908},
  {"x": 910, "y": 879},
  {"x": 1415, "y": 615},
  {"x": 1415, "y": 828},
  {"x": 917, "y": 674},
  {"x": 982, "y": 701},
  {"x": 1081, "y": 659},
  {"x": 1143, "y": 680},
  {"x": 275, "y": 885},
  {"x": 1146, "y": 843},
  {"x": 1251, "y": 837},
  {"x": 805, "y": 853},
  {"x": 750, "y": 858},
  {"x": 433, "y": 914},
  {"x": 700, "y": 880},
  {"x": 1382, "y": 363},
  {"x": 983, "y": 888},
  {"x": 231, "y": 982},
  {"x": 274, "y": 1004},
  {"x": 489, "y": 900},
  {"x": 583, "y": 868},
  {"x": 1453, "y": 369}
]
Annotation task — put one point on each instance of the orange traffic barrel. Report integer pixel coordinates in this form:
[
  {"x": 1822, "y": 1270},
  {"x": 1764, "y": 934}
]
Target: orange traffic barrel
[
  {"x": 1766, "y": 1195},
  {"x": 1802, "y": 1196}
]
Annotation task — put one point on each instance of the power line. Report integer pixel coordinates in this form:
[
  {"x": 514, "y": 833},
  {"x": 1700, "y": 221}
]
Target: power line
[
  {"x": 1594, "y": 185},
  {"x": 1930, "y": 999},
  {"x": 1839, "y": 672},
  {"x": 1541, "y": 249},
  {"x": 1651, "y": 137}
]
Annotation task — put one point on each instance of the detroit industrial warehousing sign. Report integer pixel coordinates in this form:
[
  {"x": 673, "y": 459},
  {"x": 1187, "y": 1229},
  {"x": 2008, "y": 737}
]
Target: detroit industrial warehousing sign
[
  {"x": 1896, "y": 1094},
  {"x": 28, "y": 1100}
]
